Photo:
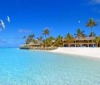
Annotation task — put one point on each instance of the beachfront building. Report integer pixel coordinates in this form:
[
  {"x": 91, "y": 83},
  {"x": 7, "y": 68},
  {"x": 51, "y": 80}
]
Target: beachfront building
[
  {"x": 80, "y": 42},
  {"x": 33, "y": 45}
]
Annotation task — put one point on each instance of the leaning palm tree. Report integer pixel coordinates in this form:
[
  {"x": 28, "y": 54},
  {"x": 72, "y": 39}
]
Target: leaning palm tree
[
  {"x": 90, "y": 24},
  {"x": 45, "y": 33},
  {"x": 24, "y": 37}
]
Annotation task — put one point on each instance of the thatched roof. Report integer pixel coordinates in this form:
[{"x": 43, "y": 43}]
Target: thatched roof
[
  {"x": 31, "y": 43},
  {"x": 81, "y": 38},
  {"x": 85, "y": 38}
]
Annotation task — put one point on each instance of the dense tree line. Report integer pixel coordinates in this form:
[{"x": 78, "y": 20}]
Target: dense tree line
[{"x": 58, "y": 41}]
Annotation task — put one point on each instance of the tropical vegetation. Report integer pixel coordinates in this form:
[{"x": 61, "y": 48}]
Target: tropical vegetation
[
  {"x": 47, "y": 40},
  {"x": 91, "y": 23}
]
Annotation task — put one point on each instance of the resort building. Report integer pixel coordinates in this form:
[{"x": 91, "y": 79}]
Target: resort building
[
  {"x": 33, "y": 45},
  {"x": 73, "y": 42},
  {"x": 80, "y": 42}
]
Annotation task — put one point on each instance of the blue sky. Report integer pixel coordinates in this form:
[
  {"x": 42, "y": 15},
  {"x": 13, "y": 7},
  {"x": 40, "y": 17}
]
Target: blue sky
[{"x": 33, "y": 16}]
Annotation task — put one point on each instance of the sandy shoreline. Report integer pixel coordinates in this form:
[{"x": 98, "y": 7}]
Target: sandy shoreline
[{"x": 89, "y": 52}]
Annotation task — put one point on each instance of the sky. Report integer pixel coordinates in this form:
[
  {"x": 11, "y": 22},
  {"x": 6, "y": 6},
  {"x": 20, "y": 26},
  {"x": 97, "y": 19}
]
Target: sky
[{"x": 24, "y": 17}]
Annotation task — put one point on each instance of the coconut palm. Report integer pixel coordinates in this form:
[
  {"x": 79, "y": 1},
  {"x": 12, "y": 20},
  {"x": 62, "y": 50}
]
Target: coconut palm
[
  {"x": 79, "y": 33},
  {"x": 97, "y": 41},
  {"x": 39, "y": 38},
  {"x": 92, "y": 34},
  {"x": 58, "y": 41},
  {"x": 24, "y": 37},
  {"x": 30, "y": 38},
  {"x": 69, "y": 38},
  {"x": 45, "y": 33},
  {"x": 49, "y": 40},
  {"x": 91, "y": 23}
]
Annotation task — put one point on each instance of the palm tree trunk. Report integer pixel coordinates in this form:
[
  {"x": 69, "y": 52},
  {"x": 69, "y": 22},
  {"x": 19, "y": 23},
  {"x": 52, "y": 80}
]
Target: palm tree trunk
[{"x": 97, "y": 44}]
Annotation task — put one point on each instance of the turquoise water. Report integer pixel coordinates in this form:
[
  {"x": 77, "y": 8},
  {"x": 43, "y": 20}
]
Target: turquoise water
[{"x": 27, "y": 67}]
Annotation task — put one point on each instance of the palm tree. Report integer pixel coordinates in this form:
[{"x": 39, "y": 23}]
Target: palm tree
[
  {"x": 58, "y": 41},
  {"x": 97, "y": 41},
  {"x": 69, "y": 38},
  {"x": 90, "y": 24},
  {"x": 92, "y": 34},
  {"x": 40, "y": 40},
  {"x": 24, "y": 37},
  {"x": 48, "y": 41},
  {"x": 79, "y": 33},
  {"x": 30, "y": 38},
  {"x": 45, "y": 33}
]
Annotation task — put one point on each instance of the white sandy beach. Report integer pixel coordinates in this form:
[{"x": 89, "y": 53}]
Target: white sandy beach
[{"x": 90, "y": 52}]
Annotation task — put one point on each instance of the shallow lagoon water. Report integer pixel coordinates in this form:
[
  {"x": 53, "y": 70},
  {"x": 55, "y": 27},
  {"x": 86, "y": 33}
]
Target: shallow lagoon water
[{"x": 28, "y": 67}]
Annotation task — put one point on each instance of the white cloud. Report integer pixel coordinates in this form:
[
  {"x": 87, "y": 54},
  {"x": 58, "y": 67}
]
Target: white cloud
[
  {"x": 8, "y": 18},
  {"x": 24, "y": 31},
  {"x": 3, "y": 41},
  {"x": 2, "y": 24},
  {"x": 93, "y": 2}
]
